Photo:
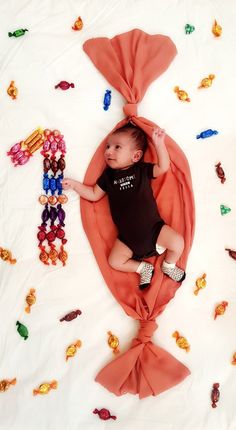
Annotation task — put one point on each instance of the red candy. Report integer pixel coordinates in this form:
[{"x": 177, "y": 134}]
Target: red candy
[
  {"x": 215, "y": 394},
  {"x": 104, "y": 414},
  {"x": 64, "y": 85},
  {"x": 71, "y": 316}
]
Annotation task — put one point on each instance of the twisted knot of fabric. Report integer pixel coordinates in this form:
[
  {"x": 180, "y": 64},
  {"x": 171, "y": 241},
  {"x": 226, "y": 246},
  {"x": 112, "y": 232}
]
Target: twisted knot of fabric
[
  {"x": 130, "y": 109},
  {"x": 146, "y": 330}
]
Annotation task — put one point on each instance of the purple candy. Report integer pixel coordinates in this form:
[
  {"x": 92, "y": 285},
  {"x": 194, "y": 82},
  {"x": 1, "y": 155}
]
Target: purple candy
[
  {"x": 61, "y": 215},
  {"x": 53, "y": 215},
  {"x": 45, "y": 215}
]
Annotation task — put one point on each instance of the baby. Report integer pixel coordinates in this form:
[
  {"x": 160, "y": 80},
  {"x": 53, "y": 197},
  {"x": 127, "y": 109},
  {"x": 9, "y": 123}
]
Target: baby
[{"x": 127, "y": 182}]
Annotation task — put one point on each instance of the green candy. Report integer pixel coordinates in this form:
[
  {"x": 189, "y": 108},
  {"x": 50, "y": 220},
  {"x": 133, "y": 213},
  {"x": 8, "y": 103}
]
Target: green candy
[
  {"x": 224, "y": 209},
  {"x": 189, "y": 28},
  {"x": 18, "y": 33},
  {"x": 22, "y": 330}
]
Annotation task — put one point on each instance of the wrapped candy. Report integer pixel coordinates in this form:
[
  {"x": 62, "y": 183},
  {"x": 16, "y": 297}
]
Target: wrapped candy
[
  {"x": 182, "y": 95},
  {"x": 107, "y": 100},
  {"x": 78, "y": 25},
  {"x": 12, "y": 91},
  {"x": 181, "y": 341},
  {"x": 5, "y": 384},
  {"x": 22, "y": 330},
  {"x": 207, "y": 82},
  {"x": 64, "y": 85},
  {"x": 224, "y": 210},
  {"x": 22, "y": 151},
  {"x": 18, "y": 33},
  {"x": 43, "y": 256},
  {"x": 220, "y": 173},
  {"x": 45, "y": 388},
  {"x": 206, "y": 133},
  {"x": 71, "y": 316},
  {"x": 200, "y": 284},
  {"x": 215, "y": 394},
  {"x": 72, "y": 349},
  {"x": 6, "y": 255},
  {"x": 104, "y": 414},
  {"x": 30, "y": 300},
  {"x": 234, "y": 359},
  {"x": 220, "y": 309},
  {"x": 189, "y": 28},
  {"x": 63, "y": 256},
  {"x": 113, "y": 342},
  {"x": 216, "y": 29},
  {"x": 231, "y": 252}
]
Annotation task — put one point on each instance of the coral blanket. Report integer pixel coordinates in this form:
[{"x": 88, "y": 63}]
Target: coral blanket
[{"x": 130, "y": 62}]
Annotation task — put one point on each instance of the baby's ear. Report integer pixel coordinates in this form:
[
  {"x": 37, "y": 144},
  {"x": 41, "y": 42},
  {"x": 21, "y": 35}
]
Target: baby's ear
[{"x": 137, "y": 155}]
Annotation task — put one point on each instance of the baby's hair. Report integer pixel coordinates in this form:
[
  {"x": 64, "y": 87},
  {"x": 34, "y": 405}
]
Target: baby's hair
[{"x": 136, "y": 133}]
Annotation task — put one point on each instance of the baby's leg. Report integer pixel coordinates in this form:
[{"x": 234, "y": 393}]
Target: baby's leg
[
  {"x": 174, "y": 244},
  {"x": 120, "y": 258}
]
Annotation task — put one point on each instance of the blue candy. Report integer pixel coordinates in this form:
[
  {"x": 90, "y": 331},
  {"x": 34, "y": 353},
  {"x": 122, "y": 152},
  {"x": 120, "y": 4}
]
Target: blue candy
[
  {"x": 46, "y": 182},
  {"x": 59, "y": 184},
  {"x": 206, "y": 133},
  {"x": 53, "y": 185},
  {"x": 107, "y": 100}
]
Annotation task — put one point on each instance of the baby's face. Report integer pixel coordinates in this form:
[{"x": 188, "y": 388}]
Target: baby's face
[{"x": 121, "y": 151}]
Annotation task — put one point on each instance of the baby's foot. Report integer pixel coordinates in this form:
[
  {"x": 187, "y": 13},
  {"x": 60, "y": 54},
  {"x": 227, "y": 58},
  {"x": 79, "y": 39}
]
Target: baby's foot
[
  {"x": 146, "y": 275},
  {"x": 174, "y": 272}
]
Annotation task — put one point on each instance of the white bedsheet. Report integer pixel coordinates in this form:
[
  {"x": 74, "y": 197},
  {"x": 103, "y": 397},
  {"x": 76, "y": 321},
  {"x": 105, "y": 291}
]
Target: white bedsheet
[{"x": 48, "y": 53}]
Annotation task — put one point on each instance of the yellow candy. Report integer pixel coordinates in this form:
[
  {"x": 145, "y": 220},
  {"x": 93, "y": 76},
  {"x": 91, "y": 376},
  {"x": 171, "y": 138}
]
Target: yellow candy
[
  {"x": 6, "y": 255},
  {"x": 216, "y": 29},
  {"x": 72, "y": 349},
  {"x": 113, "y": 342},
  {"x": 181, "y": 341},
  {"x": 45, "y": 388},
  {"x": 12, "y": 91},
  {"x": 30, "y": 299},
  {"x": 206, "y": 82},
  {"x": 200, "y": 284},
  {"x": 182, "y": 95}
]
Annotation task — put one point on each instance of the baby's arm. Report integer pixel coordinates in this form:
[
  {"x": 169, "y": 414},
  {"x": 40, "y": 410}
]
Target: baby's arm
[
  {"x": 163, "y": 165},
  {"x": 91, "y": 193}
]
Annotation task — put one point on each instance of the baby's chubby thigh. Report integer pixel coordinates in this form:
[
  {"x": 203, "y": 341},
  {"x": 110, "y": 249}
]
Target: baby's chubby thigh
[
  {"x": 119, "y": 254},
  {"x": 169, "y": 239}
]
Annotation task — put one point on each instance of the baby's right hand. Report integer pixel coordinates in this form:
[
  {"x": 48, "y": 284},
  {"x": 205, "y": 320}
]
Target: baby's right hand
[{"x": 68, "y": 184}]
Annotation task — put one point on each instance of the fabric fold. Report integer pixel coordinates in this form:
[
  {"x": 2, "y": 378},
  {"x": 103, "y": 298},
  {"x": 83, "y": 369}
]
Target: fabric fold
[{"x": 130, "y": 62}]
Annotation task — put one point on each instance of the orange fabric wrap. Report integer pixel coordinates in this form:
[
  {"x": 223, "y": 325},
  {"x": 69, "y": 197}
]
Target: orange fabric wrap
[{"x": 130, "y": 62}]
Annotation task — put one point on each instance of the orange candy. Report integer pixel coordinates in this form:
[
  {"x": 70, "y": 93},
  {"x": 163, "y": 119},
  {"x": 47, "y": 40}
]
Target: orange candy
[
  {"x": 220, "y": 309},
  {"x": 78, "y": 25},
  {"x": 45, "y": 388},
  {"x": 113, "y": 342},
  {"x": 181, "y": 341},
  {"x": 72, "y": 349},
  {"x": 5, "y": 384},
  {"x": 6, "y": 255},
  {"x": 12, "y": 91},
  {"x": 30, "y": 299}
]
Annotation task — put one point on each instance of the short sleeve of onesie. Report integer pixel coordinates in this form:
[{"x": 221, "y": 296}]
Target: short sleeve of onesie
[
  {"x": 149, "y": 169},
  {"x": 102, "y": 181}
]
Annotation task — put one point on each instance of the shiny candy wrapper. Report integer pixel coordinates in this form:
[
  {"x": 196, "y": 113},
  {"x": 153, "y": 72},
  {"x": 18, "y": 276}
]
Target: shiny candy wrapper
[
  {"x": 200, "y": 284},
  {"x": 72, "y": 349},
  {"x": 231, "y": 252},
  {"x": 6, "y": 383},
  {"x": 12, "y": 91},
  {"x": 78, "y": 25},
  {"x": 189, "y": 28},
  {"x": 206, "y": 133},
  {"x": 216, "y": 29},
  {"x": 71, "y": 316},
  {"x": 18, "y": 33},
  {"x": 45, "y": 388},
  {"x": 207, "y": 82},
  {"x": 215, "y": 394},
  {"x": 30, "y": 300},
  {"x": 113, "y": 342},
  {"x": 64, "y": 85},
  {"x": 181, "y": 341},
  {"x": 22, "y": 330},
  {"x": 182, "y": 95},
  {"x": 224, "y": 210},
  {"x": 6, "y": 255},
  {"x": 107, "y": 100},
  {"x": 220, "y": 173},
  {"x": 104, "y": 414},
  {"x": 220, "y": 309}
]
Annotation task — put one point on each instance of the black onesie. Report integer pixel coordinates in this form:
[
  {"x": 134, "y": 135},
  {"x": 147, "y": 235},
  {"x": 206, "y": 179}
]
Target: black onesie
[{"x": 133, "y": 207}]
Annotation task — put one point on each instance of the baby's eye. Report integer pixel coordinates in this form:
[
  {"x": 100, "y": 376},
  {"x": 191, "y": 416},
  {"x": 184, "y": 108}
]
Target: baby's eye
[
  {"x": 117, "y": 146},
  {"x": 108, "y": 146}
]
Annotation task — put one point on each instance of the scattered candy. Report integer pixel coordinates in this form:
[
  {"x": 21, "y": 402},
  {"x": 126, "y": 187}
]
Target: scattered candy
[
  {"x": 104, "y": 414},
  {"x": 113, "y": 342},
  {"x": 22, "y": 151},
  {"x": 71, "y": 316},
  {"x": 207, "y": 82},
  {"x": 45, "y": 388},
  {"x": 5, "y": 384},
  {"x": 216, "y": 29},
  {"x": 72, "y": 349},
  {"x": 22, "y": 330},
  {"x": 206, "y": 133},
  {"x": 181, "y": 341},
  {"x": 189, "y": 28},
  {"x": 30, "y": 299},
  {"x": 182, "y": 95},
  {"x": 224, "y": 210},
  {"x": 215, "y": 395},
  {"x": 12, "y": 91},
  {"x": 18, "y": 33},
  {"x": 231, "y": 252},
  {"x": 6, "y": 255},
  {"x": 200, "y": 284},
  {"x": 78, "y": 25},
  {"x": 107, "y": 100},
  {"x": 234, "y": 359},
  {"x": 220, "y": 309},
  {"x": 220, "y": 173},
  {"x": 64, "y": 85}
]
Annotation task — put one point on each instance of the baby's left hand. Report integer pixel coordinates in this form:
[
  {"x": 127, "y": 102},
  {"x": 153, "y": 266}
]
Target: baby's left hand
[{"x": 158, "y": 135}]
